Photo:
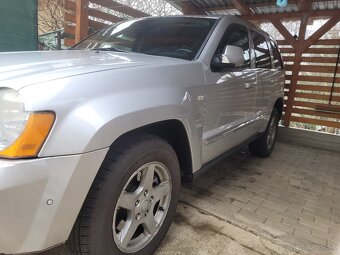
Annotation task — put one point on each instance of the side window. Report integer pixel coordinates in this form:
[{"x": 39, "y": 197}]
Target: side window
[
  {"x": 262, "y": 54},
  {"x": 236, "y": 35},
  {"x": 278, "y": 63}
]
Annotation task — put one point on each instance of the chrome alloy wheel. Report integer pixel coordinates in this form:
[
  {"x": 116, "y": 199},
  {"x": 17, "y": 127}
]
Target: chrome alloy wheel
[
  {"x": 142, "y": 207},
  {"x": 272, "y": 131}
]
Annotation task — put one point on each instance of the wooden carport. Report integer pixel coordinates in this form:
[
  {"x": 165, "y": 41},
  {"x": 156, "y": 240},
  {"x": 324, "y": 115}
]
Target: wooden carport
[{"x": 312, "y": 92}]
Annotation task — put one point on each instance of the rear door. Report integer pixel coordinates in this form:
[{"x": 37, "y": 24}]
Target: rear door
[
  {"x": 265, "y": 76},
  {"x": 230, "y": 98}
]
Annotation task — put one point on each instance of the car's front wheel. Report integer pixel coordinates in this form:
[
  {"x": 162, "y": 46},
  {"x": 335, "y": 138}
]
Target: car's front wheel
[{"x": 132, "y": 202}]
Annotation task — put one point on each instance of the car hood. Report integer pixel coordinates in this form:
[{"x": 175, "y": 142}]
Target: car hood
[{"x": 20, "y": 69}]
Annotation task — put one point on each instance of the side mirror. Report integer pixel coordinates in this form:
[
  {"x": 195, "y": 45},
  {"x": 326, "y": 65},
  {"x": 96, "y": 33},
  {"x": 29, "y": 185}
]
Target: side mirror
[{"x": 231, "y": 57}]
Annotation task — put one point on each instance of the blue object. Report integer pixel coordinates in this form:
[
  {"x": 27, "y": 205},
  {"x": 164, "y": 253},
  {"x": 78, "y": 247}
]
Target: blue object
[{"x": 282, "y": 3}]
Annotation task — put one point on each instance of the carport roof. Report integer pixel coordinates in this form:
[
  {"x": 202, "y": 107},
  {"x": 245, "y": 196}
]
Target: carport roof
[{"x": 253, "y": 7}]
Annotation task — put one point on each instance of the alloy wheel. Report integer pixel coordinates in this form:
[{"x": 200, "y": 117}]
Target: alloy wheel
[{"x": 142, "y": 207}]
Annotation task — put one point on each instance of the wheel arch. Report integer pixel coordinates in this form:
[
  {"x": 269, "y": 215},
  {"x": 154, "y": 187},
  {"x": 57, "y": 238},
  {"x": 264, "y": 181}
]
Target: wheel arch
[{"x": 174, "y": 132}]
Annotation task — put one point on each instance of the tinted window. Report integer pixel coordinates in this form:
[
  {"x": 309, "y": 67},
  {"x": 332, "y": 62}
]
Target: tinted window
[
  {"x": 178, "y": 37},
  {"x": 262, "y": 54},
  {"x": 277, "y": 57},
  {"x": 236, "y": 35}
]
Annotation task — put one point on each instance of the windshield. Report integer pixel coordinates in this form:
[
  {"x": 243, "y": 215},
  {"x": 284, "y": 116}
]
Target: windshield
[{"x": 177, "y": 37}]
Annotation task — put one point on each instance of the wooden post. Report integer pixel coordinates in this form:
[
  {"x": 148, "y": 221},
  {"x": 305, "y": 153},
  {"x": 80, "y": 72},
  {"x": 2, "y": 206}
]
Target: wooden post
[
  {"x": 301, "y": 47},
  {"x": 82, "y": 19},
  {"x": 296, "y": 69}
]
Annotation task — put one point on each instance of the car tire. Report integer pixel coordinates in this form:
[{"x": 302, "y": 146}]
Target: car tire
[
  {"x": 141, "y": 173},
  {"x": 263, "y": 146}
]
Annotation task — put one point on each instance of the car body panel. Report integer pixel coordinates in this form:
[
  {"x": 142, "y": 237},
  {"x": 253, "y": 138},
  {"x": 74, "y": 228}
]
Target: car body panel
[
  {"x": 95, "y": 110},
  {"x": 20, "y": 69},
  {"x": 28, "y": 223},
  {"x": 231, "y": 116},
  {"x": 229, "y": 105}
]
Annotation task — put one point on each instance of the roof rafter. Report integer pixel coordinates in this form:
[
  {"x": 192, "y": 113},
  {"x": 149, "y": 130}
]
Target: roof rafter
[
  {"x": 189, "y": 8},
  {"x": 242, "y": 7},
  {"x": 122, "y": 8},
  {"x": 283, "y": 30},
  {"x": 232, "y": 7},
  {"x": 292, "y": 15},
  {"x": 320, "y": 32}
]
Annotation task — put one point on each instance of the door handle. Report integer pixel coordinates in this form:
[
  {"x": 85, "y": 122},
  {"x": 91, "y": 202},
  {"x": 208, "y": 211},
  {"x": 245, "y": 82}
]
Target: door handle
[{"x": 249, "y": 85}]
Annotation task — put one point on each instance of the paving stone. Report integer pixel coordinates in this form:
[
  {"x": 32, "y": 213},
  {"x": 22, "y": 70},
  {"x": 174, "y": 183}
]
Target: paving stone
[
  {"x": 313, "y": 238},
  {"x": 276, "y": 224},
  {"x": 246, "y": 206},
  {"x": 250, "y": 217},
  {"x": 227, "y": 200},
  {"x": 295, "y": 193},
  {"x": 306, "y": 219},
  {"x": 297, "y": 225}
]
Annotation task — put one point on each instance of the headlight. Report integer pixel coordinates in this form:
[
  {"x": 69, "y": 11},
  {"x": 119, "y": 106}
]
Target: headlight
[
  {"x": 13, "y": 117},
  {"x": 22, "y": 134}
]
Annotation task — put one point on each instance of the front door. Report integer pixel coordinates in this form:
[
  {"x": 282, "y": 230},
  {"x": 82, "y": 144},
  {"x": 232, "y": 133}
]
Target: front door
[{"x": 230, "y": 98}]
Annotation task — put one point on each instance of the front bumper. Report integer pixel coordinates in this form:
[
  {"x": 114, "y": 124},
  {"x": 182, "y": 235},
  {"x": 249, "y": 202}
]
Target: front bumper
[{"x": 28, "y": 220}]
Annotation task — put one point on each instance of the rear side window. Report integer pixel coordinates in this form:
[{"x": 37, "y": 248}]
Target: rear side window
[
  {"x": 278, "y": 64},
  {"x": 262, "y": 54},
  {"x": 236, "y": 35}
]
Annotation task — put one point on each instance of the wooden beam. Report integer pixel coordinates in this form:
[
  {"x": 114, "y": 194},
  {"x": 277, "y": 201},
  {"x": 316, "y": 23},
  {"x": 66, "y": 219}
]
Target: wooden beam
[
  {"x": 313, "y": 50},
  {"x": 314, "y": 78},
  {"x": 283, "y": 30},
  {"x": 319, "y": 42},
  {"x": 306, "y": 104},
  {"x": 70, "y": 17},
  {"x": 328, "y": 60},
  {"x": 316, "y": 122},
  {"x": 296, "y": 69},
  {"x": 305, "y": 5},
  {"x": 315, "y": 96},
  {"x": 292, "y": 88},
  {"x": 242, "y": 7},
  {"x": 97, "y": 25},
  {"x": 314, "y": 68},
  {"x": 292, "y": 15},
  {"x": 317, "y": 88},
  {"x": 320, "y": 32},
  {"x": 303, "y": 28},
  {"x": 331, "y": 115},
  {"x": 120, "y": 8},
  {"x": 70, "y": 5},
  {"x": 104, "y": 16},
  {"x": 69, "y": 42},
  {"x": 82, "y": 19},
  {"x": 232, "y": 7},
  {"x": 188, "y": 8},
  {"x": 70, "y": 31}
]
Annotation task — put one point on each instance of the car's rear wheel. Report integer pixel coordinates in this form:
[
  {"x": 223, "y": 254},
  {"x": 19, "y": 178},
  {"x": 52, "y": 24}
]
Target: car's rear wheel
[
  {"x": 264, "y": 146},
  {"x": 132, "y": 202}
]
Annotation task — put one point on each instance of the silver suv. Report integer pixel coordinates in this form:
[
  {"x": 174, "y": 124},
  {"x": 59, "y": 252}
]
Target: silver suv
[{"x": 94, "y": 141}]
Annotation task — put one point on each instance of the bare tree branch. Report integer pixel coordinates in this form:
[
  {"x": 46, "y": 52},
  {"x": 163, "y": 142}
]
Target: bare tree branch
[{"x": 50, "y": 15}]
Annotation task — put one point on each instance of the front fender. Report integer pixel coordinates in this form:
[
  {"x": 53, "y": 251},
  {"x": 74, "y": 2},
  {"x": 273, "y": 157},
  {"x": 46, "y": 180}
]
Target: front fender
[{"x": 93, "y": 117}]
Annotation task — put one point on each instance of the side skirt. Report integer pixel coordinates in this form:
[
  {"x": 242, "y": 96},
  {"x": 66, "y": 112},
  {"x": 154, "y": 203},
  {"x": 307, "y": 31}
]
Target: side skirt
[{"x": 192, "y": 177}]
